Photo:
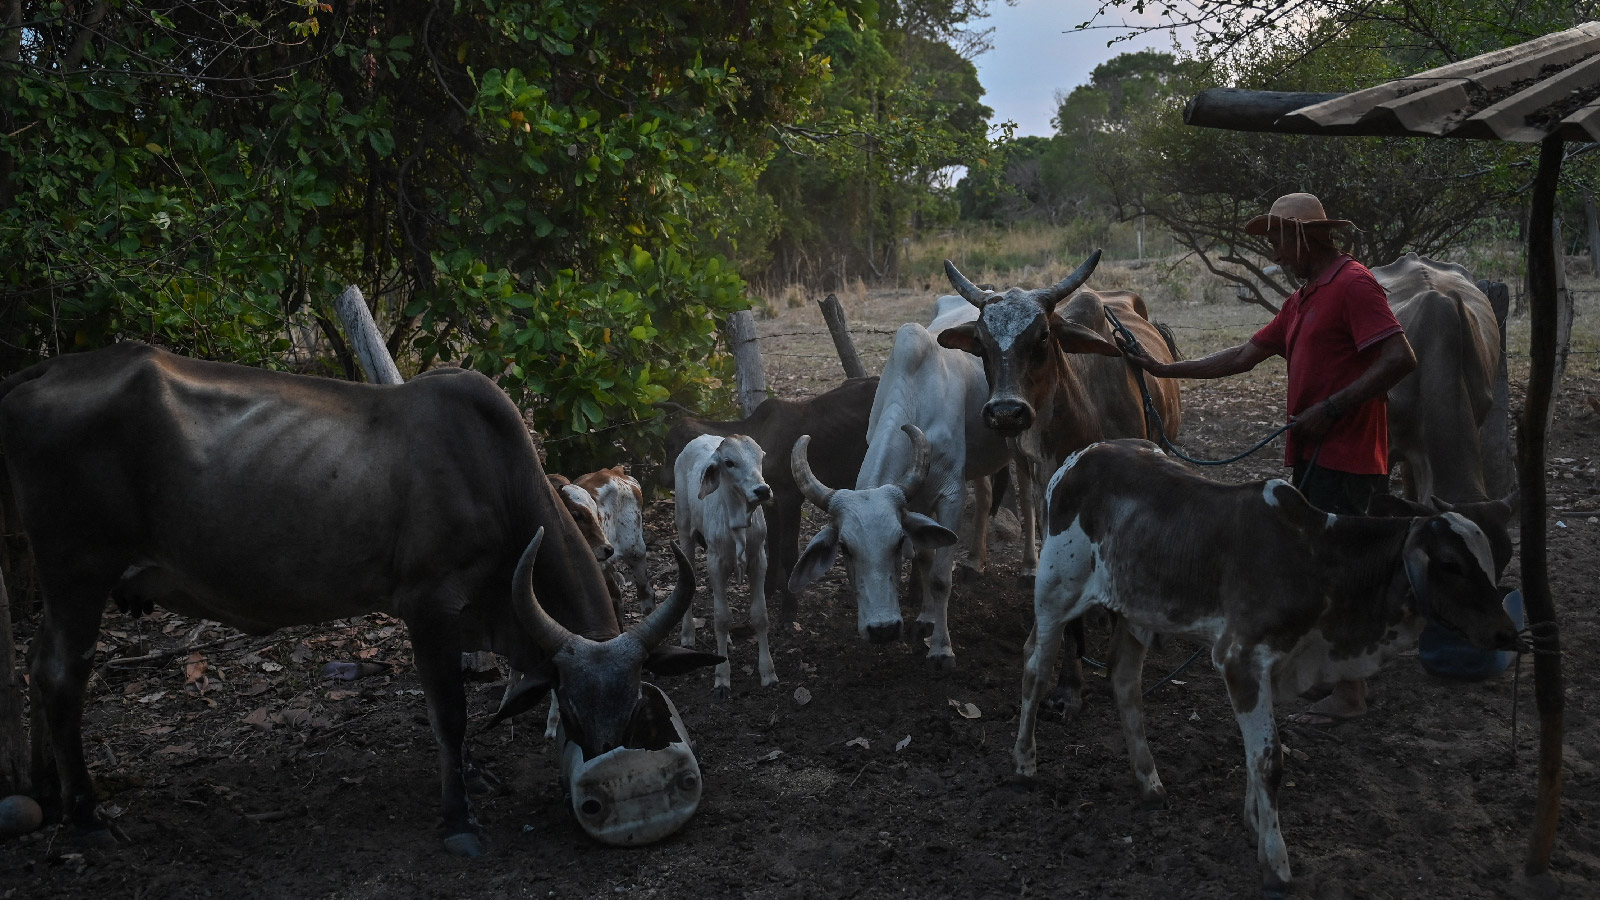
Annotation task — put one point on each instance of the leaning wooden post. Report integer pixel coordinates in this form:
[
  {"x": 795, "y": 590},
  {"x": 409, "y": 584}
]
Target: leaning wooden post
[
  {"x": 833, "y": 314},
  {"x": 380, "y": 369},
  {"x": 364, "y": 337},
  {"x": 13, "y": 745},
  {"x": 1500, "y": 468},
  {"x": 746, "y": 347},
  {"x": 1532, "y": 433}
]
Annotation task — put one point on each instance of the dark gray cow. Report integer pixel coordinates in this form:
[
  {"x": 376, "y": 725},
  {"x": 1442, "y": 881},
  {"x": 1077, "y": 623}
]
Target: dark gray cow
[{"x": 260, "y": 500}]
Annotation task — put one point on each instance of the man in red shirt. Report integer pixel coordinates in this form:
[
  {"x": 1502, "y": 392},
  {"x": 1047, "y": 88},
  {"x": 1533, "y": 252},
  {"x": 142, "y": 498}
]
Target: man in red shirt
[{"x": 1345, "y": 350}]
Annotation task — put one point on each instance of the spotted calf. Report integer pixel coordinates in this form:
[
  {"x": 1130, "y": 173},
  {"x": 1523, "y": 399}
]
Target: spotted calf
[{"x": 1288, "y": 596}]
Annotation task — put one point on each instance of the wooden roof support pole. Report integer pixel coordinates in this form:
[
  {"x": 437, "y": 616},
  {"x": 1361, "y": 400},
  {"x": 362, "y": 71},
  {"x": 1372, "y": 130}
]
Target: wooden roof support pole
[{"x": 1532, "y": 434}]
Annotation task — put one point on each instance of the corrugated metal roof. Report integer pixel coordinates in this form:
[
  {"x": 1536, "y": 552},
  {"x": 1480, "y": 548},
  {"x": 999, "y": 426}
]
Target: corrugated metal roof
[{"x": 1522, "y": 93}]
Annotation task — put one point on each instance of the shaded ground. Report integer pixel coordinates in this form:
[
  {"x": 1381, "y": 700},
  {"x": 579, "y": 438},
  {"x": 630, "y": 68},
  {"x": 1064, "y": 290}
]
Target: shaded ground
[{"x": 274, "y": 782}]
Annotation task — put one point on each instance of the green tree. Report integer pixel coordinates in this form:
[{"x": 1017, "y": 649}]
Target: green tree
[
  {"x": 535, "y": 189},
  {"x": 1203, "y": 184},
  {"x": 902, "y": 107}
]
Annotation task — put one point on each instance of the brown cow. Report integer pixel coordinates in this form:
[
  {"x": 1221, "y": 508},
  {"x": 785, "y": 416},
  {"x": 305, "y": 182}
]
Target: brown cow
[
  {"x": 1287, "y": 595},
  {"x": 1436, "y": 411},
  {"x": 1057, "y": 383}
]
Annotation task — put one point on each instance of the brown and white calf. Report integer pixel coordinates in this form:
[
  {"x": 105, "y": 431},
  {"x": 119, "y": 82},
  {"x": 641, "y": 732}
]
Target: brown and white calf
[
  {"x": 1288, "y": 596},
  {"x": 608, "y": 506}
]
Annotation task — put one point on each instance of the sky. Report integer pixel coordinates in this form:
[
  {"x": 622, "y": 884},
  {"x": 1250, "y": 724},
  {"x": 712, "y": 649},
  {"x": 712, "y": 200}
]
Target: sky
[{"x": 1036, "y": 53}]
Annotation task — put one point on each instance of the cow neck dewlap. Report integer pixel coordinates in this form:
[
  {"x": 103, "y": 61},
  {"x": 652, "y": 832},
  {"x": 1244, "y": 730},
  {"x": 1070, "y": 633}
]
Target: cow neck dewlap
[{"x": 1007, "y": 319}]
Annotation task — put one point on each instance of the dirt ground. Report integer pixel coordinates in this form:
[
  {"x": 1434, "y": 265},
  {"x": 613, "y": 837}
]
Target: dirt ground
[{"x": 238, "y": 771}]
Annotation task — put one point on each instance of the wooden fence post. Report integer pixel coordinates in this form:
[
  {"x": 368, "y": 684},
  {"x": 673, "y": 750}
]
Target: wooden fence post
[
  {"x": 364, "y": 337},
  {"x": 833, "y": 314},
  {"x": 746, "y": 347},
  {"x": 1499, "y": 465}
]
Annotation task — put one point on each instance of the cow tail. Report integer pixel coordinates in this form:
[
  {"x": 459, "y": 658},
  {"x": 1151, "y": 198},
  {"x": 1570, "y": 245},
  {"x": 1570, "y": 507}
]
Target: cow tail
[
  {"x": 998, "y": 482},
  {"x": 1172, "y": 342}
]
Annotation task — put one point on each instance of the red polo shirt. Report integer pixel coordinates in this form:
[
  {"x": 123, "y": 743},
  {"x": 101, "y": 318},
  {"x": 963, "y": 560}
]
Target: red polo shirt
[{"x": 1328, "y": 331}]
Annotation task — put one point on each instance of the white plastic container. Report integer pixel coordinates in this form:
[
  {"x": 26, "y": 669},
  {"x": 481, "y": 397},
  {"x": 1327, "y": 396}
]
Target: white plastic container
[{"x": 638, "y": 794}]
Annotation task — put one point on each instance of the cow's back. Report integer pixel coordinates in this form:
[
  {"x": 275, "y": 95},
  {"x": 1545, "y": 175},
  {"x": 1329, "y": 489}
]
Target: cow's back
[
  {"x": 942, "y": 392},
  {"x": 292, "y": 497}
]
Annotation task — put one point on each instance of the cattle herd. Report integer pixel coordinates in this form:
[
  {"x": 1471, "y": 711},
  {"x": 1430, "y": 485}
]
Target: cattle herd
[{"x": 261, "y": 500}]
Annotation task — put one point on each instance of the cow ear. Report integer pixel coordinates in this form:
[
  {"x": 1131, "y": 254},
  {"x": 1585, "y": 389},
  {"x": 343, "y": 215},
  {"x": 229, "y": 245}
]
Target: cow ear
[
  {"x": 669, "y": 660},
  {"x": 925, "y": 533},
  {"x": 574, "y": 496},
  {"x": 962, "y": 337},
  {"x": 816, "y": 560},
  {"x": 522, "y": 694},
  {"x": 1075, "y": 338},
  {"x": 708, "y": 480}
]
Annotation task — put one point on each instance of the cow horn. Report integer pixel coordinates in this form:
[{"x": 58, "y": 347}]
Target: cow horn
[
  {"x": 973, "y": 294},
  {"x": 1050, "y": 296},
  {"x": 656, "y": 626},
  {"x": 800, "y": 467},
  {"x": 548, "y": 634},
  {"x": 920, "y": 455}
]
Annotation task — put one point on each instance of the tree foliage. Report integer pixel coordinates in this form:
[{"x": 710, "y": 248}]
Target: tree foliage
[
  {"x": 1203, "y": 184},
  {"x": 536, "y": 189},
  {"x": 902, "y": 106}
]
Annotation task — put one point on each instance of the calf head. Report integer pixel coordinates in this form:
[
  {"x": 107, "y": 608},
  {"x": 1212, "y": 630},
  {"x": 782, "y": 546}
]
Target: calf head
[
  {"x": 1493, "y": 518},
  {"x": 873, "y": 530},
  {"x": 735, "y": 469},
  {"x": 1019, "y": 336},
  {"x": 1451, "y": 569},
  {"x": 586, "y": 514},
  {"x": 597, "y": 682}
]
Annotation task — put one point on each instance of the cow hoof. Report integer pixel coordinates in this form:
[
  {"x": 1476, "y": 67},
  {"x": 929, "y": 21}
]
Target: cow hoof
[
  {"x": 1064, "y": 703},
  {"x": 965, "y": 573},
  {"x": 1153, "y": 801},
  {"x": 99, "y": 837},
  {"x": 1022, "y": 784},
  {"x": 1025, "y": 581},
  {"x": 1274, "y": 888},
  {"x": 721, "y": 693},
  {"x": 941, "y": 663},
  {"x": 466, "y": 845}
]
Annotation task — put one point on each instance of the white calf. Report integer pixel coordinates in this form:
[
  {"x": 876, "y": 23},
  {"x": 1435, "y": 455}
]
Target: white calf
[{"x": 719, "y": 495}]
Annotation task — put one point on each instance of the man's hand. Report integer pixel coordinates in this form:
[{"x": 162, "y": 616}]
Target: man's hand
[
  {"x": 1143, "y": 360},
  {"x": 1314, "y": 423}
]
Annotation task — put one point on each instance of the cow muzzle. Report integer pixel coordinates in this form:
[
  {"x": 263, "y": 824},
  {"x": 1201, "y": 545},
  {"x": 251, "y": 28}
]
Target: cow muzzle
[
  {"x": 636, "y": 794},
  {"x": 1009, "y": 416}
]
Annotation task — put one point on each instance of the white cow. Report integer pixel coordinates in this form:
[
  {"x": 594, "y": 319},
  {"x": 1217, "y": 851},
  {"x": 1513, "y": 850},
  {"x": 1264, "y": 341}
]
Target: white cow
[
  {"x": 908, "y": 498},
  {"x": 719, "y": 495}
]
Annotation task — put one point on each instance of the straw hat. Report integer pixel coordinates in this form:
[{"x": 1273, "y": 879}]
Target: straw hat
[{"x": 1299, "y": 210}]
